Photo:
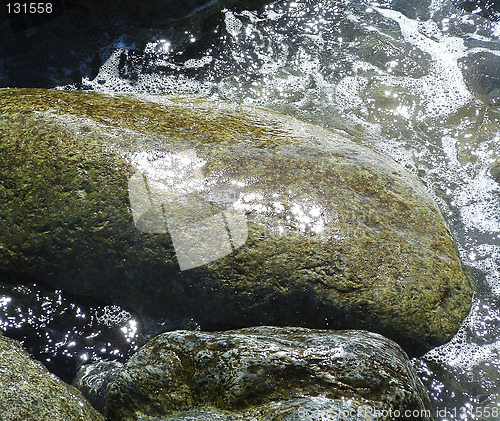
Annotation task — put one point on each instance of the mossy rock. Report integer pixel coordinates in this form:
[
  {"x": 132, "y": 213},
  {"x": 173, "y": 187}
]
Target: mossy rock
[
  {"x": 29, "y": 392},
  {"x": 336, "y": 235},
  {"x": 268, "y": 373}
]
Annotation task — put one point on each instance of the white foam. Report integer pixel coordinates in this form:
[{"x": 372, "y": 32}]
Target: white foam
[
  {"x": 108, "y": 79},
  {"x": 443, "y": 89},
  {"x": 471, "y": 347},
  {"x": 496, "y": 30},
  {"x": 113, "y": 315},
  {"x": 233, "y": 24},
  {"x": 348, "y": 90}
]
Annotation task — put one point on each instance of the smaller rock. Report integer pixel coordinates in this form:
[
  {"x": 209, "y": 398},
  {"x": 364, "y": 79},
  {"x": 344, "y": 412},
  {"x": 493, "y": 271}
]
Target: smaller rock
[
  {"x": 415, "y": 9},
  {"x": 268, "y": 373},
  {"x": 94, "y": 381},
  {"x": 29, "y": 392}
]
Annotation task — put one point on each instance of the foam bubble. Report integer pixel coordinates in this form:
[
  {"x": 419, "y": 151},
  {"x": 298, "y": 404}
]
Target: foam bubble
[{"x": 112, "y": 316}]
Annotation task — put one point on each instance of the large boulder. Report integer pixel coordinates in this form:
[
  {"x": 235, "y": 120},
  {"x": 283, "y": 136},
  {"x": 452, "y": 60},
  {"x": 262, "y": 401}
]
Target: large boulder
[
  {"x": 186, "y": 209},
  {"x": 29, "y": 392},
  {"x": 268, "y": 373}
]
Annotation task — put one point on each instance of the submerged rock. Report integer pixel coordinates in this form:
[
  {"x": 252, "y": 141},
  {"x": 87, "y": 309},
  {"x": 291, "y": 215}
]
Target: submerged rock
[
  {"x": 272, "y": 220},
  {"x": 94, "y": 381},
  {"x": 29, "y": 392},
  {"x": 268, "y": 373},
  {"x": 488, "y": 9},
  {"x": 482, "y": 74}
]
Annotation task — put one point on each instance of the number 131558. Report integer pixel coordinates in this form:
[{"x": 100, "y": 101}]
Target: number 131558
[{"x": 29, "y": 8}]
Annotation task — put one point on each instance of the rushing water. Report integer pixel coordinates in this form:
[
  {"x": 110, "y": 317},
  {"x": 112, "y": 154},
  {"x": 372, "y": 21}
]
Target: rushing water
[{"x": 416, "y": 80}]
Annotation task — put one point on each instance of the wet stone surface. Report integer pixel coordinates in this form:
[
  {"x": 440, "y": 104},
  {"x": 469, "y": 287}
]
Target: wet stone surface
[
  {"x": 28, "y": 391},
  {"x": 267, "y": 373},
  {"x": 94, "y": 381},
  {"x": 482, "y": 73}
]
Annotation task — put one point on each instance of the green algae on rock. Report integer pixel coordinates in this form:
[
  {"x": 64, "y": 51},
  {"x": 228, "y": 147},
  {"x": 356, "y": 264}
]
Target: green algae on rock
[
  {"x": 268, "y": 373},
  {"x": 29, "y": 392},
  {"x": 336, "y": 235}
]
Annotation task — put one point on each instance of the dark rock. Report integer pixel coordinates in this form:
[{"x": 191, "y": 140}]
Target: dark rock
[
  {"x": 331, "y": 234},
  {"x": 488, "y": 8},
  {"x": 94, "y": 381},
  {"x": 268, "y": 373},
  {"x": 482, "y": 74},
  {"x": 29, "y": 392}
]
